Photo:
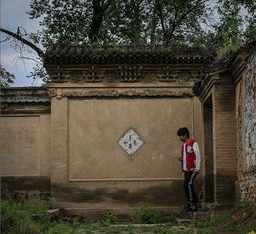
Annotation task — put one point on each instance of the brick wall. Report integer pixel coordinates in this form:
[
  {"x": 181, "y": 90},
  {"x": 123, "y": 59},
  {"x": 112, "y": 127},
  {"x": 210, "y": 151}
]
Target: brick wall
[
  {"x": 246, "y": 123},
  {"x": 224, "y": 139}
]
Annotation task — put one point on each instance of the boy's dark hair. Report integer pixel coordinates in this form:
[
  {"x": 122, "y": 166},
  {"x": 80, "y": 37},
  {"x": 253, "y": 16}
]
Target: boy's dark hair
[{"x": 183, "y": 132}]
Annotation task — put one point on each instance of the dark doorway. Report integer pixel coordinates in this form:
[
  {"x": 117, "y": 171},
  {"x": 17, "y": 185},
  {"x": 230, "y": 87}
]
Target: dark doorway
[{"x": 209, "y": 159}]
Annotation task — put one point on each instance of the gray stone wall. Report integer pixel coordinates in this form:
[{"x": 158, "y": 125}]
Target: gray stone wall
[{"x": 248, "y": 177}]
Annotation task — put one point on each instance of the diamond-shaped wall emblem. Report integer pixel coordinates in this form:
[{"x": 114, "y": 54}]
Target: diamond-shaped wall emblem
[{"x": 130, "y": 142}]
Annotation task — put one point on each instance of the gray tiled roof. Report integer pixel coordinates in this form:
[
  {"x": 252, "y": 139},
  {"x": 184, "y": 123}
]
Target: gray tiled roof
[{"x": 24, "y": 95}]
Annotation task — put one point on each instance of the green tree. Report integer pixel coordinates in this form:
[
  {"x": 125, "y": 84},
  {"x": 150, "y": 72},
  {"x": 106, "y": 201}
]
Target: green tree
[
  {"x": 250, "y": 31},
  {"x": 236, "y": 25},
  {"x": 118, "y": 21},
  {"x": 228, "y": 30},
  {"x": 168, "y": 22}
]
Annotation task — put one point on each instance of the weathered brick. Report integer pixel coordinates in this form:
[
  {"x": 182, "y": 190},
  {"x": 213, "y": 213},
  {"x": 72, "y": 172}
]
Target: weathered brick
[{"x": 246, "y": 123}]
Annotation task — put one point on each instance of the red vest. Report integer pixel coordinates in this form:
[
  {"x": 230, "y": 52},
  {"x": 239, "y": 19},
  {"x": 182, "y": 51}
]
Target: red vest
[{"x": 188, "y": 156}]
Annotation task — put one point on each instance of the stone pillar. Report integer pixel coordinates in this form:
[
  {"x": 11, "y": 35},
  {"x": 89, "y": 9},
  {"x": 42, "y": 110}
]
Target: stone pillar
[
  {"x": 197, "y": 122},
  {"x": 59, "y": 140},
  {"x": 198, "y": 135}
]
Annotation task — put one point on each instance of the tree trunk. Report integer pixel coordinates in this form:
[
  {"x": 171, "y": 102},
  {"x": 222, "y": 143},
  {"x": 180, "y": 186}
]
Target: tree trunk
[{"x": 97, "y": 20}]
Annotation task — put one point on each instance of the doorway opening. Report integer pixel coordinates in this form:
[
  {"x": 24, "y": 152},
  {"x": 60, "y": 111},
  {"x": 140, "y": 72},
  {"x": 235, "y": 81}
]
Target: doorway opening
[{"x": 209, "y": 183}]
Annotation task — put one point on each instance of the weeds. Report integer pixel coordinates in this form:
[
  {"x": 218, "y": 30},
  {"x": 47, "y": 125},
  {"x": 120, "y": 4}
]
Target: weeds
[
  {"x": 146, "y": 215},
  {"x": 18, "y": 217},
  {"x": 32, "y": 218},
  {"x": 108, "y": 218}
]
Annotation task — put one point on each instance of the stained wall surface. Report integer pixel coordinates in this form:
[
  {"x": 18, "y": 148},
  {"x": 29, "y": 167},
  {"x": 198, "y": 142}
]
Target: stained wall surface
[
  {"x": 90, "y": 168},
  {"x": 246, "y": 130},
  {"x": 77, "y": 147},
  {"x": 24, "y": 145},
  {"x": 96, "y": 126}
]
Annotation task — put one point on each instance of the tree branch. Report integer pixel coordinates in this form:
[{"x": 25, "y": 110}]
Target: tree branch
[
  {"x": 178, "y": 20},
  {"x": 23, "y": 40},
  {"x": 28, "y": 58},
  {"x": 4, "y": 40},
  {"x": 174, "y": 23},
  {"x": 160, "y": 15}
]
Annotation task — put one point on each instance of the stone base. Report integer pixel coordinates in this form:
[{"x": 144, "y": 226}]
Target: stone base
[
  {"x": 25, "y": 187},
  {"x": 248, "y": 190},
  {"x": 121, "y": 214}
]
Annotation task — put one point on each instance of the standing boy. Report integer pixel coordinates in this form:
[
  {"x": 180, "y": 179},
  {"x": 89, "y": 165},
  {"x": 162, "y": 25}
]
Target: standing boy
[{"x": 190, "y": 163}]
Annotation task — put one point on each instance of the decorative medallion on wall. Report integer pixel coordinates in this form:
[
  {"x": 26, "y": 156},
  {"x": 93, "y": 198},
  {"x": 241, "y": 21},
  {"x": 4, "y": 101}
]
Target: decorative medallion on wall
[{"x": 130, "y": 142}]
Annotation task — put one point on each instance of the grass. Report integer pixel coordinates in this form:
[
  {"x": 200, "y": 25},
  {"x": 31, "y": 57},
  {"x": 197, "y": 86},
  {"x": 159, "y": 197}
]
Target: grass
[{"x": 31, "y": 217}]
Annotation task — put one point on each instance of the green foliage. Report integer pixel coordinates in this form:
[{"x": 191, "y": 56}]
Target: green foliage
[
  {"x": 108, "y": 217},
  {"x": 146, "y": 215},
  {"x": 250, "y": 32},
  {"x": 228, "y": 30},
  {"x": 17, "y": 218},
  {"x": 119, "y": 21},
  {"x": 6, "y": 78},
  {"x": 109, "y": 22},
  {"x": 39, "y": 72},
  {"x": 174, "y": 22},
  {"x": 223, "y": 24},
  {"x": 252, "y": 232},
  {"x": 61, "y": 228},
  {"x": 30, "y": 217}
]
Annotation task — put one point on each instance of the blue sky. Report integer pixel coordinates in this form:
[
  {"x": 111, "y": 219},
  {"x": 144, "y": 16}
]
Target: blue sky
[{"x": 12, "y": 15}]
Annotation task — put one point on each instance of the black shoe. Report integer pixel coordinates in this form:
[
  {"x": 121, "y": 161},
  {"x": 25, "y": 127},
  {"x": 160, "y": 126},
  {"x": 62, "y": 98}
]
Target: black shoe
[
  {"x": 189, "y": 214},
  {"x": 193, "y": 207},
  {"x": 187, "y": 207}
]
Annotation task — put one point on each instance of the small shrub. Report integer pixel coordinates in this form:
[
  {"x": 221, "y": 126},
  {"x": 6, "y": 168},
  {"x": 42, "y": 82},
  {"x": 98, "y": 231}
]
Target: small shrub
[
  {"x": 61, "y": 228},
  {"x": 252, "y": 232},
  {"x": 25, "y": 226},
  {"x": 108, "y": 218},
  {"x": 18, "y": 217},
  {"x": 147, "y": 215}
]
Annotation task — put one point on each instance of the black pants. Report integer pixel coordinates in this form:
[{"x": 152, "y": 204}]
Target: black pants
[{"x": 189, "y": 178}]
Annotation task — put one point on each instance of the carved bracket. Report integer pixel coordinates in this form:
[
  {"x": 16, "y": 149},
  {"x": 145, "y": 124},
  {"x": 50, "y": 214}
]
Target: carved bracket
[
  {"x": 129, "y": 73},
  {"x": 167, "y": 73}
]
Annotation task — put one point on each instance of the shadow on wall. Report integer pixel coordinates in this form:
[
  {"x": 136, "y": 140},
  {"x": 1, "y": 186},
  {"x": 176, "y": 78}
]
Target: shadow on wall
[{"x": 169, "y": 195}]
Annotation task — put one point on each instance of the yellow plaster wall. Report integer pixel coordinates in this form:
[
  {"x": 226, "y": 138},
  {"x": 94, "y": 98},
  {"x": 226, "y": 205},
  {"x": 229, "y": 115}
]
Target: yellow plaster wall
[
  {"x": 95, "y": 126},
  {"x": 24, "y": 145}
]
